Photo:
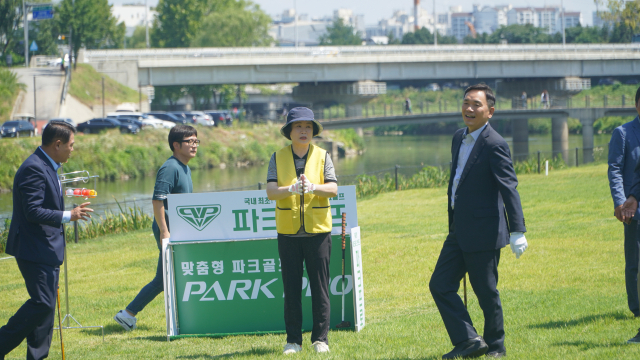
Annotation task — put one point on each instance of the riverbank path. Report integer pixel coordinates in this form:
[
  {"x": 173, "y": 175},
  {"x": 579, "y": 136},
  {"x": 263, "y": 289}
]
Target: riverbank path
[{"x": 48, "y": 88}]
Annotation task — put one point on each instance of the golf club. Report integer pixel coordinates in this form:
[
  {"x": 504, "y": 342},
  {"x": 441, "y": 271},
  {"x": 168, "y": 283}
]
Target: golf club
[
  {"x": 343, "y": 324},
  {"x": 60, "y": 324},
  {"x": 464, "y": 285}
]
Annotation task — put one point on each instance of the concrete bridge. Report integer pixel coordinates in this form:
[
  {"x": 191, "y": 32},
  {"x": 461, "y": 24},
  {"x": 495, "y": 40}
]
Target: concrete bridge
[
  {"x": 194, "y": 66},
  {"x": 520, "y": 126}
]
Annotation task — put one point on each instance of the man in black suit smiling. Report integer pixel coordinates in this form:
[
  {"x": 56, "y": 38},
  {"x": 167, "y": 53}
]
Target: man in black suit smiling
[
  {"x": 485, "y": 215},
  {"x": 36, "y": 239}
]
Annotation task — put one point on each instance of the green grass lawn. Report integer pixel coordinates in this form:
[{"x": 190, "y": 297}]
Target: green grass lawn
[{"x": 564, "y": 299}]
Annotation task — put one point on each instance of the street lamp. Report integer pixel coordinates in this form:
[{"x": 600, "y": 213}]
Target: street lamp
[
  {"x": 564, "y": 38},
  {"x": 295, "y": 10},
  {"x": 435, "y": 25},
  {"x": 146, "y": 21}
]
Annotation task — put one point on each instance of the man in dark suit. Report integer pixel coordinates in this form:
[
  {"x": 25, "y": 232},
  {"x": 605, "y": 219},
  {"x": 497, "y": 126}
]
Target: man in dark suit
[
  {"x": 484, "y": 216},
  {"x": 36, "y": 239},
  {"x": 629, "y": 210},
  {"x": 624, "y": 153}
]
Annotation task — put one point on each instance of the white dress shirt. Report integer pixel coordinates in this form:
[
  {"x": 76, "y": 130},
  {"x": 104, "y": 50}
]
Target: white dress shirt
[
  {"x": 463, "y": 155},
  {"x": 66, "y": 215}
]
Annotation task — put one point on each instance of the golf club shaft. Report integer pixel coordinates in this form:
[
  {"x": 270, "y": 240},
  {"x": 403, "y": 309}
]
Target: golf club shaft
[
  {"x": 60, "y": 325},
  {"x": 464, "y": 285},
  {"x": 344, "y": 228}
]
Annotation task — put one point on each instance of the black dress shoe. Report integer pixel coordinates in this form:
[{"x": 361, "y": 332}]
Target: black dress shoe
[
  {"x": 468, "y": 349},
  {"x": 497, "y": 354}
]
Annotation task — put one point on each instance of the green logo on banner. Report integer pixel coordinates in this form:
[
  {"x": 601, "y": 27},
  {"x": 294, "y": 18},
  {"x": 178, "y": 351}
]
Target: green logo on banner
[{"x": 199, "y": 216}]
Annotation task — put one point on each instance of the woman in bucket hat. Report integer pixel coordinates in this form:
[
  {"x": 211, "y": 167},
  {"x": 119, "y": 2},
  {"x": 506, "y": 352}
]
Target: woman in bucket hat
[{"x": 301, "y": 178}]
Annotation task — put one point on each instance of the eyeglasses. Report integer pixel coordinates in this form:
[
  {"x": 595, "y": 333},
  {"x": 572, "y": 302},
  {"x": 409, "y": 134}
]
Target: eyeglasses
[{"x": 192, "y": 142}]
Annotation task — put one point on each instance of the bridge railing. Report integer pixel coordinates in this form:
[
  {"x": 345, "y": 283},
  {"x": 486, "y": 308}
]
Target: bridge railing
[
  {"x": 398, "y": 108},
  {"x": 346, "y": 51}
]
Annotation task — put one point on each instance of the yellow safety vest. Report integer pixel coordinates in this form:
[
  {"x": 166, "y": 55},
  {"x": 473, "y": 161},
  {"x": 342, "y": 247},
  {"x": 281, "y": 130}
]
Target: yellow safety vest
[{"x": 314, "y": 210}]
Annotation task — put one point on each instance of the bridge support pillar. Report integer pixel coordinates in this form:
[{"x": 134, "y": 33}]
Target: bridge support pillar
[
  {"x": 353, "y": 110},
  {"x": 560, "y": 137},
  {"x": 520, "y": 139},
  {"x": 587, "y": 139}
]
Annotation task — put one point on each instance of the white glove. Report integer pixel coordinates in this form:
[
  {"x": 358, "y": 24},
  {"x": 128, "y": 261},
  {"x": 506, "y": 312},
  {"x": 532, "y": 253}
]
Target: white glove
[
  {"x": 296, "y": 188},
  {"x": 518, "y": 243},
  {"x": 308, "y": 187}
]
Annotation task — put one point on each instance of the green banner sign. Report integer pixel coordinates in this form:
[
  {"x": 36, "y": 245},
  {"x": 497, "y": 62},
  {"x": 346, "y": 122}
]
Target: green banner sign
[{"x": 235, "y": 287}]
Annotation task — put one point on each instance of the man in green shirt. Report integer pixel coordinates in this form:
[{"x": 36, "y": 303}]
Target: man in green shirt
[{"x": 174, "y": 177}]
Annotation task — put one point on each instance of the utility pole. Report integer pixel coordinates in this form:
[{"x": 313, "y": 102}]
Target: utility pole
[
  {"x": 295, "y": 10},
  {"x": 25, "y": 25},
  {"x": 146, "y": 21},
  {"x": 34, "y": 100},
  {"x": 416, "y": 22},
  {"x": 564, "y": 37},
  {"x": 435, "y": 25},
  {"x": 103, "y": 97}
]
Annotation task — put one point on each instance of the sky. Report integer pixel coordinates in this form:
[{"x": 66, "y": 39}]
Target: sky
[{"x": 375, "y": 10}]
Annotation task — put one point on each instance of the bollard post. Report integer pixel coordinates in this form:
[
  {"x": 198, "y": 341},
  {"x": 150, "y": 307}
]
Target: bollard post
[
  {"x": 396, "y": 177},
  {"x": 440, "y": 105},
  {"x": 576, "y": 157},
  {"x": 605, "y": 100},
  {"x": 75, "y": 227},
  {"x": 259, "y": 186},
  {"x": 587, "y": 102},
  {"x": 624, "y": 100},
  {"x": 538, "y": 161},
  {"x": 427, "y": 107},
  {"x": 366, "y": 110}
]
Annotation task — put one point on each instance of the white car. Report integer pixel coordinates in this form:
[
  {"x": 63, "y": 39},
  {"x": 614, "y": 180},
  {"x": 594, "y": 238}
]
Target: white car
[
  {"x": 200, "y": 117},
  {"x": 145, "y": 119}
]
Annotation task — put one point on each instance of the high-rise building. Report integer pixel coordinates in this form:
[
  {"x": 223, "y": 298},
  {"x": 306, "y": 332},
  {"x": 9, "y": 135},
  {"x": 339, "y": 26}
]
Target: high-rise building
[
  {"x": 490, "y": 18},
  {"x": 460, "y": 24}
]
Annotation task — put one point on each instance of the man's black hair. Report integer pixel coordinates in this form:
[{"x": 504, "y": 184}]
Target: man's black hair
[
  {"x": 637, "y": 96},
  {"x": 287, "y": 130},
  {"x": 491, "y": 99},
  {"x": 179, "y": 132},
  {"x": 57, "y": 130}
]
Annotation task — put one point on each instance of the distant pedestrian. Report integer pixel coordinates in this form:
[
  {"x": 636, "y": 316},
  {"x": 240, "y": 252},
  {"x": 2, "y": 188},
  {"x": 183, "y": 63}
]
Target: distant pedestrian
[
  {"x": 284, "y": 112},
  {"x": 524, "y": 100},
  {"x": 544, "y": 99},
  {"x": 407, "y": 106}
]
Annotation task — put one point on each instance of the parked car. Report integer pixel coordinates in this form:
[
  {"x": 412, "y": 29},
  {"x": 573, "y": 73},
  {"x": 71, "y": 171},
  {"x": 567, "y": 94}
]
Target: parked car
[
  {"x": 607, "y": 81},
  {"x": 132, "y": 120},
  {"x": 432, "y": 87},
  {"x": 100, "y": 124},
  {"x": 17, "y": 128},
  {"x": 220, "y": 117},
  {"x": 67, "y": 120},
  {"x": 149, "y": 120},
  {"x": 632, "y": 82},
  {"x": 163, "y": 115},
  {"x": 182, "y": 115},
  {"x": 199, "y": 117}
]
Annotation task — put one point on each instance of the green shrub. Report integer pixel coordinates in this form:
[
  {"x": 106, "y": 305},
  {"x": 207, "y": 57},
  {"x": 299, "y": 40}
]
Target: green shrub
[{"x": 4, "y": 234}]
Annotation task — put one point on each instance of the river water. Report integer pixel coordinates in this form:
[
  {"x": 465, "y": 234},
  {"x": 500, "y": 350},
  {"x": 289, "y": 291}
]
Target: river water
[{"x": 382, "y": 152}]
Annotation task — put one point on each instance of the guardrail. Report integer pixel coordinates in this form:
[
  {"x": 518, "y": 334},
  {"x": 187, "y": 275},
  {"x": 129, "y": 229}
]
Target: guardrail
[
  {"x": 340, "y": 51},
  {"x": 65, "y": 88}
]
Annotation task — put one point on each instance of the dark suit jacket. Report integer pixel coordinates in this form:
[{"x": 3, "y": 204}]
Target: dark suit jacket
[
  {"x": 487, "y": 204},
  {"x": 36, "y": 233}
]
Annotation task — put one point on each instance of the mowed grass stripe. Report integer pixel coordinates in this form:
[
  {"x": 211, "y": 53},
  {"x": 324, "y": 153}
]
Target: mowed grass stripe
[{"x": 565, "y": 298}]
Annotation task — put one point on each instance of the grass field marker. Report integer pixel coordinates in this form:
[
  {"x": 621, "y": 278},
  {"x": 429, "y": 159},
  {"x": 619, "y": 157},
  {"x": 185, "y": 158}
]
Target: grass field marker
[{"x": 546, "y": 168}]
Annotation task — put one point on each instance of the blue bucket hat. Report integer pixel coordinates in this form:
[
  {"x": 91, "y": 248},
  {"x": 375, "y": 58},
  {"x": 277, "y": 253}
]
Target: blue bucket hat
[{"x": 300, "y": 114}]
